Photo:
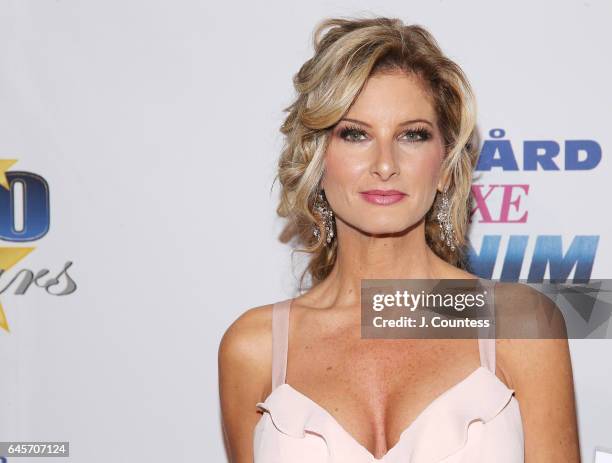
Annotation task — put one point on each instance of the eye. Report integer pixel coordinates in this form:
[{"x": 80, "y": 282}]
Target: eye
[
  {"x": 352, "y": 133},
  {"x": 418, "y": 134},
  {"x": 355, "y": 134}
]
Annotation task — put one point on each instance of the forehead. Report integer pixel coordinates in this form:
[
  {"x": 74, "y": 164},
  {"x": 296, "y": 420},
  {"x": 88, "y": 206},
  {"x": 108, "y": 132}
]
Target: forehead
[{"x": 393, "y": 97}]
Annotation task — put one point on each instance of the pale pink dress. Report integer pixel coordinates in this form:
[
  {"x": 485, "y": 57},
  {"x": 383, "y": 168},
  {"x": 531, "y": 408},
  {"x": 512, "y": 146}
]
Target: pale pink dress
[{"x": 476, "y": 420}]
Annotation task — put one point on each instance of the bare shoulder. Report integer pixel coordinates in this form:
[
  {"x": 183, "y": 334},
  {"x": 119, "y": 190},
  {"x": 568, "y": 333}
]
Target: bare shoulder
[
  {"x": 534, "y": 357},
  {"x": 244, "y": 366},
  {"x": 530, "y": 331},
  {"x": 246, "y": 345},
  {"x": 523, "y": 312}
]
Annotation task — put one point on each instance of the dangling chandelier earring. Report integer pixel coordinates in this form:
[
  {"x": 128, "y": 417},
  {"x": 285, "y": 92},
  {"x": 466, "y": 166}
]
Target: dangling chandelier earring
[
  {"x": 322, "y": 208},
  {"x": 446, "y": 226}
]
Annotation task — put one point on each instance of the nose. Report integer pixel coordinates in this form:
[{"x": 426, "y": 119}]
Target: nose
[{"x": 384, "y": 162}]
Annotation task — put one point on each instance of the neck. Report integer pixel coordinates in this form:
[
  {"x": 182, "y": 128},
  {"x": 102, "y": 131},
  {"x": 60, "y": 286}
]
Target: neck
[{"x": 404, "y": 255}]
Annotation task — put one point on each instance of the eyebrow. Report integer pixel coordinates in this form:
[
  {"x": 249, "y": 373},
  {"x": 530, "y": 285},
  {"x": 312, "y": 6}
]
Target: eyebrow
[{"x": 410, "y": 121}]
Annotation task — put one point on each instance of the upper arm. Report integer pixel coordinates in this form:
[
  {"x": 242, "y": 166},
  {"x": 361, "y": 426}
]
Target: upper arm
[
  {"x": 540, "y": 372},
  {"x": 244, "y": 363}
]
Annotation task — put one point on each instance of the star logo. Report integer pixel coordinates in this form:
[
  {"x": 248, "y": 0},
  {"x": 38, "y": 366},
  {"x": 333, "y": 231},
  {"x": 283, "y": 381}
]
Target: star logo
[{"x": 9, "y": 256}]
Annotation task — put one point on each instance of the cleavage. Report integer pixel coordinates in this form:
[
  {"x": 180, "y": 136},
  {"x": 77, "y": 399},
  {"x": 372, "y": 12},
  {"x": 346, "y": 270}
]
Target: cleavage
[{"x": 384, "y": 383}]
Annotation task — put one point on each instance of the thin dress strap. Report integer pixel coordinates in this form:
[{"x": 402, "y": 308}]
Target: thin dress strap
[
  {"x": 280, "y": 341},
  {"x": 486, "y": 345}
]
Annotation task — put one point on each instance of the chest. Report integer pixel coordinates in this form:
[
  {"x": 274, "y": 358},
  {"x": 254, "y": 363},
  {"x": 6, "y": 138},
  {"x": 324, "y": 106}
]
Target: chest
[{"x": 375, "y": 387}]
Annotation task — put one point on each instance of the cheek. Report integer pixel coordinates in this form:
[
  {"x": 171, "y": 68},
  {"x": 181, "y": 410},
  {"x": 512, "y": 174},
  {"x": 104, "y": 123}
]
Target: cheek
[
  {"x": 343, "y": 170},
  {"x": 419, "y": 174}
]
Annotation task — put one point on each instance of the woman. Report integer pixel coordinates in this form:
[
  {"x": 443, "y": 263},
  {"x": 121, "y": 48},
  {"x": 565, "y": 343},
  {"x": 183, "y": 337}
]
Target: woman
[{"x": 376, "y": 175}]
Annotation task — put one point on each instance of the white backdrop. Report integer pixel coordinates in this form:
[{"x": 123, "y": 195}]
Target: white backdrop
[{"x": 155, "y": 125}]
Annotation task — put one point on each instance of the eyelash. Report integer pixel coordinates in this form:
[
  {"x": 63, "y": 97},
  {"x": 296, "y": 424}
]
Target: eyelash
[{"x": 422, "y": 132}]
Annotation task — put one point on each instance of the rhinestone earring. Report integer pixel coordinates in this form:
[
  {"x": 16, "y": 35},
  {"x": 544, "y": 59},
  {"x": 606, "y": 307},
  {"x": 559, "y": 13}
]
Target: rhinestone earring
[
  {"x": 446, "y": 226},
  {"x": 322, "y": 208}
]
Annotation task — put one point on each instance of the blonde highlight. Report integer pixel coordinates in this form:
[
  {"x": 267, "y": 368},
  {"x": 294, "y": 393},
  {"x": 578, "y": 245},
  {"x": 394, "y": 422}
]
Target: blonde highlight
[{"x": 347, "y": 51}]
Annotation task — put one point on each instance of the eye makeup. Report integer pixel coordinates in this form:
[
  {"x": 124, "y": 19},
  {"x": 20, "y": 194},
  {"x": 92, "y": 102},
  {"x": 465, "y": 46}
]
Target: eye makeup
[{"x": 352, "y": 133}]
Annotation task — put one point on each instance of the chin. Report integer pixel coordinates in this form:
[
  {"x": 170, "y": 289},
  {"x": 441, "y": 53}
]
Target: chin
[{"x": 385, "y": 227}]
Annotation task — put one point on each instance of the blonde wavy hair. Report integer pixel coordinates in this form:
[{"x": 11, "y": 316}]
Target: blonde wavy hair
[{"x": 347, "y": 51}]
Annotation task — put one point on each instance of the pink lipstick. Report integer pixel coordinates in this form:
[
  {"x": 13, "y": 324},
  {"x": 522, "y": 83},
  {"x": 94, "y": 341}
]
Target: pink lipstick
[{"x": 382, "y": 197}]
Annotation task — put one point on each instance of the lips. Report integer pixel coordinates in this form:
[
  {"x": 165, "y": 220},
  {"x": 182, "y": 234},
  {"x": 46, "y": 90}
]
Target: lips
[{"x": 382, "y": 197}]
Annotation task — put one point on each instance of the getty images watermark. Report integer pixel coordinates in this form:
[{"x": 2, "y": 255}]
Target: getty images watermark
[{"x": 481, "y": 308}]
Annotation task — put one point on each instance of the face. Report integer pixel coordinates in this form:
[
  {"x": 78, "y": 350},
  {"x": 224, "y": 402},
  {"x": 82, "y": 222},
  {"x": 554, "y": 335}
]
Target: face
[{"x": 388, "y": 140}]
